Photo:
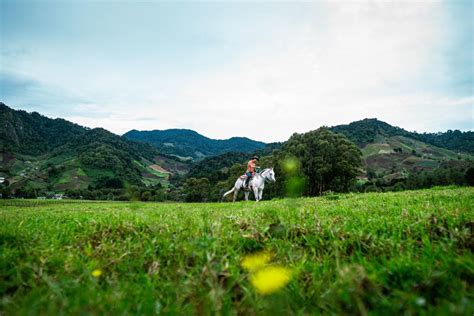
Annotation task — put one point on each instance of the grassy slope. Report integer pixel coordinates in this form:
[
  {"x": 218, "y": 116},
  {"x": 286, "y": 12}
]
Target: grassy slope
[
  {"x": 352, "y": 254},
  {"x": 73, "y": 175},
  {"x": 381, "y": 157}
]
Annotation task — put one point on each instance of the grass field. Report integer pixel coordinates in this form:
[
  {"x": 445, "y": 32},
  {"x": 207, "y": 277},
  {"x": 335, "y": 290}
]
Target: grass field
[{"x": 380, "y": 253}]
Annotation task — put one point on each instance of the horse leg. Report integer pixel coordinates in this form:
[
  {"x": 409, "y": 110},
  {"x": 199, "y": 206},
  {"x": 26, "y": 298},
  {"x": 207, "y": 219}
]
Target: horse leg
[
  {"x": 255, "y": 193},
  {"x": 236, "y": 191},
  {"x": 260, "y": 194},
  {"x": 247, "y": 196}
]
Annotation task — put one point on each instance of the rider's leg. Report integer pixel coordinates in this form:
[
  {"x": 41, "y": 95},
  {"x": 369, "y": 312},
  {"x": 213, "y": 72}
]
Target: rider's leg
[{"x": 249, "y": 176}]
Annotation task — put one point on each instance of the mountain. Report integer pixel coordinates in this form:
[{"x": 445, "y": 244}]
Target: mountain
[
  {"x": 215, "y": 168},
  {"x": 391, "y": 153},
  {"x": 367, "y": 130},
  {"x": 38, "y": 153},
  {"x": 32, "y": 133},
  {"x": 188, "y": 144},
  {"x": 453, "y": 140}
]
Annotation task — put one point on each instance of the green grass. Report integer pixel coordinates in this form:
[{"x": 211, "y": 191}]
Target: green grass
[
  {"x": 427, "y": 164},
  {"x": 374, "y": 149},
  {"x": 379, "y": 253}
]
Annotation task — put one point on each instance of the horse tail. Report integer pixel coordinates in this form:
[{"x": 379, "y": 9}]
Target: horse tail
[{"x": 228, "y": 192}]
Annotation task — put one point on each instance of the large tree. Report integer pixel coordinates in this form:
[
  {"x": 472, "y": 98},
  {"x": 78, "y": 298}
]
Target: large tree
[{"x": 329, "y": 161}]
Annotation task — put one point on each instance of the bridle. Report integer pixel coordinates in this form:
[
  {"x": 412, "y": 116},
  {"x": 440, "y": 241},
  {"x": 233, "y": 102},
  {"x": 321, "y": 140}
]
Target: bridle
[{"x": 264, "y": 171}]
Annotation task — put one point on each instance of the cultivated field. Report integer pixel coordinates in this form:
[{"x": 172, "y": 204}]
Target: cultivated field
[{"x": 393, "y": 253}]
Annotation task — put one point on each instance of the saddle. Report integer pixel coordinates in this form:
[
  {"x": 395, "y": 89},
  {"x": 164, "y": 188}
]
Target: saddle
[{"x": 244, "y": 179}]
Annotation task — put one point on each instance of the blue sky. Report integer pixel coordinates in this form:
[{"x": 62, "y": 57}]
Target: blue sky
[{"x": 262, "y": 70}]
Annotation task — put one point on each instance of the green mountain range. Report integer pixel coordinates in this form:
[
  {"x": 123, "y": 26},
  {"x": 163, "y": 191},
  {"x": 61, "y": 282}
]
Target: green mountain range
[
  {"x": 43, "y": 154},
  {"x": 389, "y": 153},
  {"x": 393, "y": 153},
  {"x": 190, "y": 145},
  {"x": 368, "y": 130}
]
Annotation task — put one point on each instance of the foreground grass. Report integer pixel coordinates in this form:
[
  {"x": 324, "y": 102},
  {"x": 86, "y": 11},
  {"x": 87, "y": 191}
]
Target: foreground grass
[{"x": 392, "y": 253}]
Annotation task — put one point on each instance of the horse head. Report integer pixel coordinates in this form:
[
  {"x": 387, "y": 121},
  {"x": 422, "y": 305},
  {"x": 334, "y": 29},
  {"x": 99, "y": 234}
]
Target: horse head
[{"x": 269, "y": 175}]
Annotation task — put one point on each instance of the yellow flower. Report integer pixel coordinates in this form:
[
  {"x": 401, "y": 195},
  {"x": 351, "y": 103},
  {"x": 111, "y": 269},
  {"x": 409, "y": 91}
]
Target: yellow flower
[
  {"x": 270, "y": 279},
  {"x": 255, "y": 261},
  {"x": 96, "y": 273}
]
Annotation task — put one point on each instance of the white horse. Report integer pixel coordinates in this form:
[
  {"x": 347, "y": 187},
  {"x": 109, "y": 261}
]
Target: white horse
[{"x": 257, "y": 183}]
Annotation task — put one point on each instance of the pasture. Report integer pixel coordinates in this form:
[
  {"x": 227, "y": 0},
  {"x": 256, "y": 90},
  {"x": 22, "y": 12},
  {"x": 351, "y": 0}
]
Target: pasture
[{"x": 353, "y": 254}]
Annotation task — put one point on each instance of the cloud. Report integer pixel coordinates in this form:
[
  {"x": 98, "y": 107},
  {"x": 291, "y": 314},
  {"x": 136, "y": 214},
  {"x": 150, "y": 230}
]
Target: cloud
[
  {"x": 262, "y": 71},
  {"x": 33, "y": 95},
  {"x": 366, "y": 62}
]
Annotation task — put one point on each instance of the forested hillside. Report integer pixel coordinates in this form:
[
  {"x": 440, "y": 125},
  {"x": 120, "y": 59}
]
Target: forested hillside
[
  {"x": 40, "y": 155},
  {"x": 370, "y": 130},
  {"x": 454, "y": 140},
  {"x": 395, "y": 157},
  {"x": 311, "y": 163},
  {"x": 216, "y": 168},
  {"x": 189, "y": 144},
  {"x": 32, "y": 133}
]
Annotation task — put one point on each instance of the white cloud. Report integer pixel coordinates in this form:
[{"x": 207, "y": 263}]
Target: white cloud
[{"x": 342, "y": 61}]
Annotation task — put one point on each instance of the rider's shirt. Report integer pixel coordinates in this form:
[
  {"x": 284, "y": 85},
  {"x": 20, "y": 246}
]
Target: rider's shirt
[{"x": 251, "y": 166}]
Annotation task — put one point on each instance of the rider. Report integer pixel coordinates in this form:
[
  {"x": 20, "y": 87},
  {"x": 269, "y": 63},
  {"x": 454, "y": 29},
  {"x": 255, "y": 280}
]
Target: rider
[{"x": 251, "y": 168}]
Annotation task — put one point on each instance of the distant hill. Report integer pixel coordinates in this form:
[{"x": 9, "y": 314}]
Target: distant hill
[
  {"x": 188, "y": 144},
  {"x": 392, "y": 153},
  {"x": 454, "y": 140},
  {"x": 44, "y": 154},
  {"x": 367, "y": 130},
  {"x": 215, "y": 168},
  {"x": 32, "y": 133}
]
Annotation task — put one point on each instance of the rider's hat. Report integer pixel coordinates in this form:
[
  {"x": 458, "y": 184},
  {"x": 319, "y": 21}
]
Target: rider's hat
[{"x": 256, "y": 157}]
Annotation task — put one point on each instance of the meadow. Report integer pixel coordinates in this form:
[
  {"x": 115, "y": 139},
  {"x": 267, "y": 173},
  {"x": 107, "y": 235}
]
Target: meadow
[{"x": 353, "y": 254}]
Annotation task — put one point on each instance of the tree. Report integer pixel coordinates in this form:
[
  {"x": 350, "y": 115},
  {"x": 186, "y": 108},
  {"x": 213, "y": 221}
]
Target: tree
[
  {"x": 329, "y": 161},
  {"x": 196, "y": 190}
]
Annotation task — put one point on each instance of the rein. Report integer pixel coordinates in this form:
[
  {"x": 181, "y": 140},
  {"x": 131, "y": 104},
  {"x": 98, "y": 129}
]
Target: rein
[
  {"x": 263, "y": 171},
  {"x": 263, "y": 176}
]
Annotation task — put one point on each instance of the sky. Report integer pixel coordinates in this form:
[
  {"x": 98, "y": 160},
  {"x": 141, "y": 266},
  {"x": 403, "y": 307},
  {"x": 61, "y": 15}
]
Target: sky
[{"x": 262, "y": 70}]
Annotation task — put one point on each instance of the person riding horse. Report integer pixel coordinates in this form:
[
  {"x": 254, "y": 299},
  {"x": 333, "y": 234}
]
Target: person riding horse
[
  {"x": 258, "y": 181},
  {"x": 251, "y": 169}
]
